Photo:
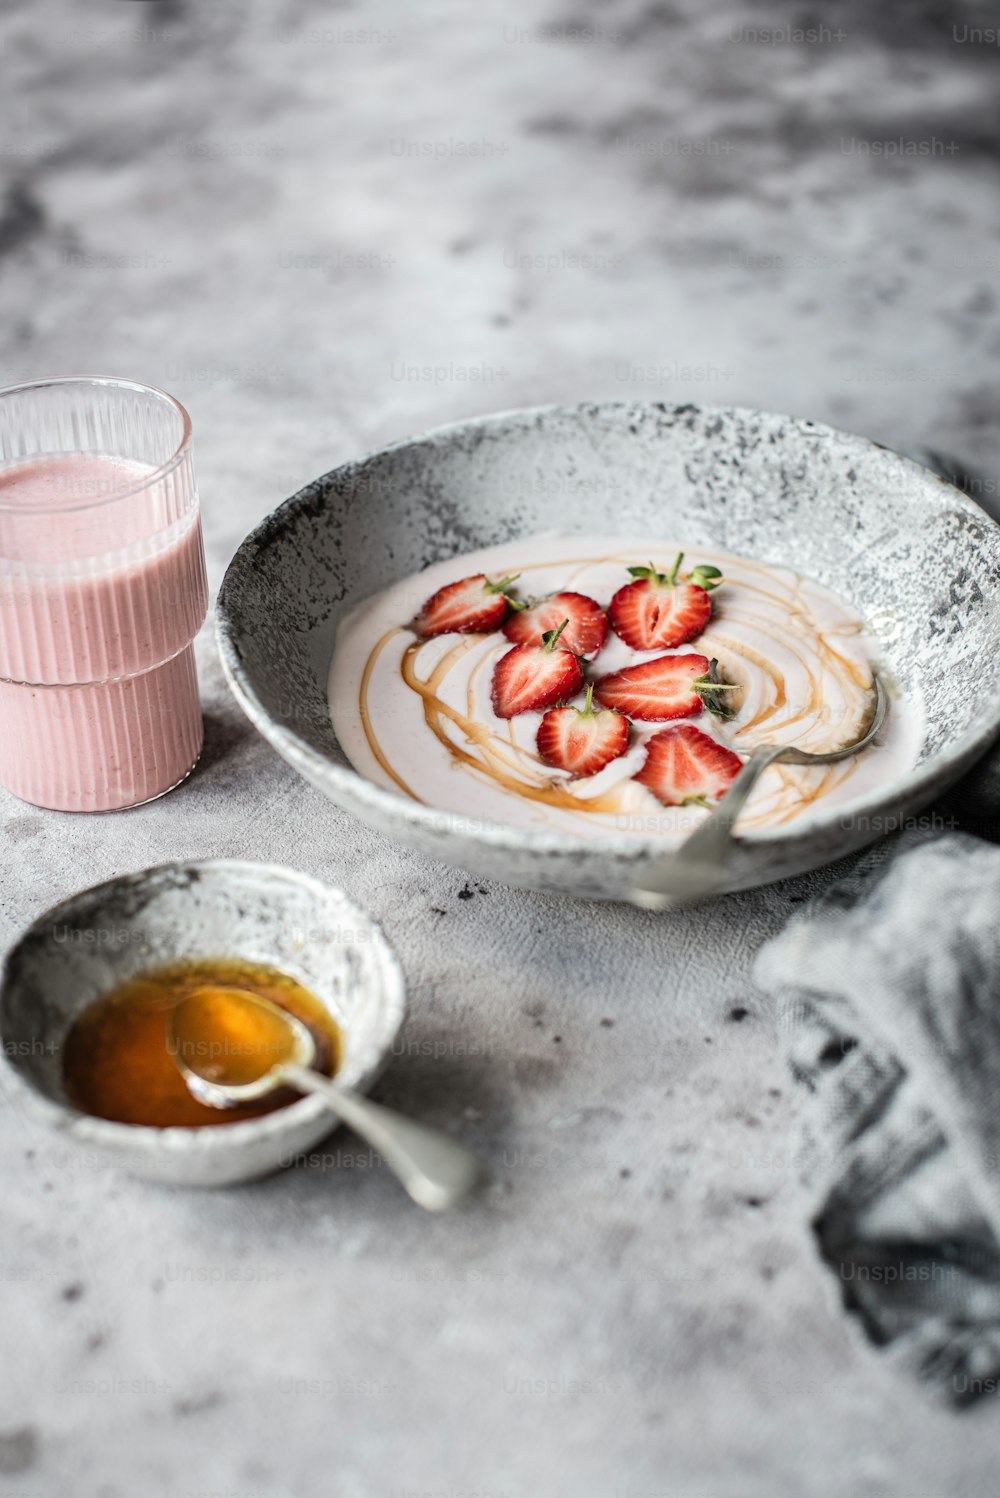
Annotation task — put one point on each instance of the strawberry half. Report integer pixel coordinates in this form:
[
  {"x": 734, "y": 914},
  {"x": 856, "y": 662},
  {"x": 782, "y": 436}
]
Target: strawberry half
[
  {"x": 658, "y": 610},
  {"x": 670, "y": 686},
  {"x": 531, "y": 677},
  {"x": 585, "y": 631},
  {"x": 685, "y": 766},
  {"x": 581, "y": 741},
  {"x": 472, "y": 606}
]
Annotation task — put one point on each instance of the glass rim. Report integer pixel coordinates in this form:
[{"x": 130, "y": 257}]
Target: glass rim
[{"x": 108, "y": 381}]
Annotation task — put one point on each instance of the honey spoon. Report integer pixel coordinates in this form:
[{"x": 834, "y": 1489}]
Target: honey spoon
[
  {"x": 434, "y": 1170},
  {"x": 698, "y": 868}
]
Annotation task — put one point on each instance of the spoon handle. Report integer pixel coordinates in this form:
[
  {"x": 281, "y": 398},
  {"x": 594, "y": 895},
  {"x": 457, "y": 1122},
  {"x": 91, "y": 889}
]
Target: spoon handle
[
  {"x": 698, "y": 867},
  {"x": 433, "y": 1169}
]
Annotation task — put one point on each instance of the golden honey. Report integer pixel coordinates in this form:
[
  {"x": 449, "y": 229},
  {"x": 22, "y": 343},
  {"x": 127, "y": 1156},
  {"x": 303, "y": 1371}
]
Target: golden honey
[{"x": 117, "y": 1060}]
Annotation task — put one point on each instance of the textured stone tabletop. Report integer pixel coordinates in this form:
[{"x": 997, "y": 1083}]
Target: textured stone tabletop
[{"x": 324, "y": 227}]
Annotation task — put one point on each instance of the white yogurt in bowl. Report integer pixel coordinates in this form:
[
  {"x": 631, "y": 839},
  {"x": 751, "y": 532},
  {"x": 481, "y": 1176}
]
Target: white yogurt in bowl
[{"x": 415, "y": 716}]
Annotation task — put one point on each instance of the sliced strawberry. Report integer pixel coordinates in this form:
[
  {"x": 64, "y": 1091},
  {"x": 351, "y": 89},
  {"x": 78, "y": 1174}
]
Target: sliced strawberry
[
  {"x": 584, "y": 634},
  {"x": 669, "y": 686},
  {"x": 683, "y": 765},
  {"x": 472, "y": 606},
  {"x": 531, "y": 677},
  {"x": 658, "y": 610},
  {"x": 581, "y": 741},
  {"x": 656, "y": 689}
]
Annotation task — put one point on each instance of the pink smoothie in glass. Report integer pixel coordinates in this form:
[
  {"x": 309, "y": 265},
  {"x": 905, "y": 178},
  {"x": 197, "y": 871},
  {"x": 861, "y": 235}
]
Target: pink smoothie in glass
[{"x": 102, "y": 591}]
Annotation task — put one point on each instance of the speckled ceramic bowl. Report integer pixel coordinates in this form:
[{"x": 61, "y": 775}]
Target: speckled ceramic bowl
[
  {"x": 913, "y": 554},
  {"x": 86, "y": 946}
]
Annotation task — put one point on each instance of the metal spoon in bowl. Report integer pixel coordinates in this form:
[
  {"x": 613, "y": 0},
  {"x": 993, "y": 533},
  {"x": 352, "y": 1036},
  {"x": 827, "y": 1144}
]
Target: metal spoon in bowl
[
  {"x": 698, "y": 868},
  {"x": 432, "y": 1168}
]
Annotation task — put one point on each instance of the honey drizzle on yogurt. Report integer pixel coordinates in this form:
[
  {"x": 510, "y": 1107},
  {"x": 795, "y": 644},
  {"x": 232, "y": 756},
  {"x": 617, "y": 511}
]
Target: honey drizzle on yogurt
[
  {"x": 495, "y": 756},
  {"x": 478, "y": 748}
]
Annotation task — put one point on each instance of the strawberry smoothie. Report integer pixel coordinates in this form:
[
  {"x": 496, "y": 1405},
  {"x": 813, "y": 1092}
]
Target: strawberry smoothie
[{"x": 102, "y": 591}]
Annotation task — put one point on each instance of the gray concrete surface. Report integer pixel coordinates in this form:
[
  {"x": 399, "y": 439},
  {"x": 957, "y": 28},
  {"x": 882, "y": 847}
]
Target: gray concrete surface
[{"x": 323, "y": 227}]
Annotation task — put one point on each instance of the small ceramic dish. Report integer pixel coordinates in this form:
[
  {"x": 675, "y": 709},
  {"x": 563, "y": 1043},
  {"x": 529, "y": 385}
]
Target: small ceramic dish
[
  {"x": 88, "y": 945},
  {"x": 913, "y": 555}
]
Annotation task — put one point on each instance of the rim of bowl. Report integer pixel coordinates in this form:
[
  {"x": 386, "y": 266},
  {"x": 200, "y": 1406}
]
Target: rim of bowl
[
  {"x": 176, "y": 1140},
  {"x": 316, "y": 767}
]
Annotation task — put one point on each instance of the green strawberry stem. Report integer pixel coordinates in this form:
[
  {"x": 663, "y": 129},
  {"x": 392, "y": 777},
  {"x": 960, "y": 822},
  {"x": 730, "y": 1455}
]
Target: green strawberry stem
[
  {"x": 503, "y": 584},
  {"x": 698, "y": 801},
  {"x": 710, "y": 685},
  {"x": 550, "y": 636},
  {"x": 650, "y": 573},
  {"x": 703, "y": 576},
  {"x": 587, "y": 710}
]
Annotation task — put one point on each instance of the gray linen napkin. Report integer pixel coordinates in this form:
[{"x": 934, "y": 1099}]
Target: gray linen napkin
[{"x": 891, "y": 987}]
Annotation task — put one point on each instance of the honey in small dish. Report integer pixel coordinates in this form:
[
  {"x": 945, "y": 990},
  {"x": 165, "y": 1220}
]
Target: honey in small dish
[{"x": 117, "y": 1062}]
